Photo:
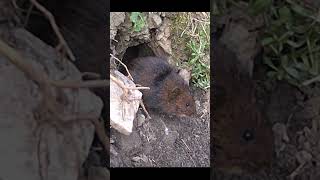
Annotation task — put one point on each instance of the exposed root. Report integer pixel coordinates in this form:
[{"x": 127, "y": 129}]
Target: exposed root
[
  {"x": 62, "y": 42},
  {"x": 91, "y": 75},
  {"x": 80, "y": 84},
  {"x": 104, "y": 139}
]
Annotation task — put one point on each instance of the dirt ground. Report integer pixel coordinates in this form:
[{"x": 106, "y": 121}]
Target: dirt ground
[
  {"x": 185, "y": 145},
  {"x": 163, "y": 141},
  {"x": 295, "y": 117}
]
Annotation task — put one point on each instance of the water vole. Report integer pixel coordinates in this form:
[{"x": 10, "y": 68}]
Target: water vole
[
  {"x": 242, "y": 141},
  {"x": 168, "y": 93}
]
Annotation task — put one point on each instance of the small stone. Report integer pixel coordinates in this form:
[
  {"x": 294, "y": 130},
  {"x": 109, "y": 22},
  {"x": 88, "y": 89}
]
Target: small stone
[
  {"x": 163, "y": 37},
  {"x": 116, "y": 18},
  {"x": 281, "y": 130},
  {"x": 301, "y": 139},
  {"x": 185, "y": 74},
  {"x": 160, "y": 36},
  {"x": 198, "y": 103},
  {"x": 141, "y": 119},
  {"x": 307, "y": 146},
  {"x": 162, "y": 14},
  {"x": 307, "y": 131},
  {"x": 155, "y": 20},
  {"x": 144, "y": 158},
  {"x": 303, "y": 157},
  {"x": 113, "y": 151},
  {"x": 136, "y": 159}
]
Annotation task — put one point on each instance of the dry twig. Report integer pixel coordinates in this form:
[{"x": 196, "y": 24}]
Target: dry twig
[
  {"x": 91, "y": 75},
  {"x": 145, "y": 110},
  {"x": 123, "y": 66},
  {"x": 119, "y": 83}
]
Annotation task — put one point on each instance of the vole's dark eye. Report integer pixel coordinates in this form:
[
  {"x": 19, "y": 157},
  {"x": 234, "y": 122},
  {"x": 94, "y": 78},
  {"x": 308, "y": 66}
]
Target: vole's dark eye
[
  {"x": 248, "y": 135},
  {"x": 187, "y": 104}
]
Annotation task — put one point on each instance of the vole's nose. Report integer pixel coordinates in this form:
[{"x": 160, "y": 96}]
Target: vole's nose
[{"x": 193, "y": 114}]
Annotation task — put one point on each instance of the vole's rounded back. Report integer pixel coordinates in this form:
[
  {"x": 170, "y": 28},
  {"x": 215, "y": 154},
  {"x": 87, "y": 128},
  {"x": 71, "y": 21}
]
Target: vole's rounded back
[
  {"x": 242, "y": 140},
  {"x": 168, "y": 93}
]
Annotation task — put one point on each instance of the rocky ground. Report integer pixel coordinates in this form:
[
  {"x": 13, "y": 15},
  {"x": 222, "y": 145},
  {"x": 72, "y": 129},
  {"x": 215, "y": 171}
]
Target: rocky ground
[{"x": 162, "y": 141}]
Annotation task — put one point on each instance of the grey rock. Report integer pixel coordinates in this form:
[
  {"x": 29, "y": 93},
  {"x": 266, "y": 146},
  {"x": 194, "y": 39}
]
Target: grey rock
[{"x": 30, "y": 146}]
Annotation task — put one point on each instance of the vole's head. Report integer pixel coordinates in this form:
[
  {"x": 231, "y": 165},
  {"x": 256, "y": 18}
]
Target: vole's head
[
  {"x": 182, "y": 101},
  {"x": 243, "y": 142},
  {"x": 178, "y": 98}
]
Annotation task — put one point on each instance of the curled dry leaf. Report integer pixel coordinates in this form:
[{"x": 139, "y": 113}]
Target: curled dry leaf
[{"x": 185, "y": 74}]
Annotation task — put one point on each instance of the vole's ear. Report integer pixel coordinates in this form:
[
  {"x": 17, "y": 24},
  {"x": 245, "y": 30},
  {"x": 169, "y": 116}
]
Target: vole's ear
[
  {"x": 219, "y": 96},
  {"x": 174, "y": 93}
]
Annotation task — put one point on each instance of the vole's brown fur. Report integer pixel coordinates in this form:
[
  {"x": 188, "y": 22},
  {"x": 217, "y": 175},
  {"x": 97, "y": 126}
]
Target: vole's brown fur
[
  {"x": 168, "y": 92},
  {"x": 242, "y": 141}
]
